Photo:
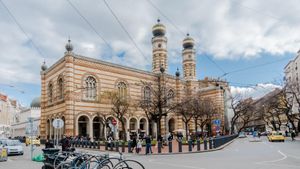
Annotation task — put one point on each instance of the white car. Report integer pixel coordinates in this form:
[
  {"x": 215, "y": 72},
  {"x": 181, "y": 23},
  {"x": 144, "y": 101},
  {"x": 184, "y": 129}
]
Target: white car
[{"x": 14, "y": 147}]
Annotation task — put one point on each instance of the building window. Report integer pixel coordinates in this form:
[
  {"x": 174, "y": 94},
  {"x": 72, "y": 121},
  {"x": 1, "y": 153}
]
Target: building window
[
  {"x": 60, "y": 88},
  {"x": 147, "y": 93},
  {"x": 170, "y": 96},
  {"x": 90, "y": 88},
  {"x": 122, "y": 90},
  {"x": 50, "y": 93}
]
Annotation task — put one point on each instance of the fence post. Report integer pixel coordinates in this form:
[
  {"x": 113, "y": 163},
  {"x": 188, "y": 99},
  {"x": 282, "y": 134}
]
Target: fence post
[
  {"x": 129, "y": 146},
  {"x": 159, "y": 146},
  {"x": 180, "y": 146},
  {"x": 210, "y": 143},
  {"x": 170, "y": 146},
  {"x": 205, "y": 144},
  {"x": 123, "y": 146},
  {"x": 106, "y": 145},
  {"x": 198, "y": 145},
  {"x": 190, "y": 145},
  {"x": 98, "y": 145},
  {"x": 117, "y": 146}
]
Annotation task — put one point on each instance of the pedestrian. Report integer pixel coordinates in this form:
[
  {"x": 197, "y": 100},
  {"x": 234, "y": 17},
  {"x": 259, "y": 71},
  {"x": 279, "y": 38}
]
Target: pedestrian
[
  {"x": 49, "y": 144},
  {"x": 109, "y": 140},
  {"x": 286, "y": 133},
  {"x": 65, "y": 143},
  {"x": 148, "y": 144},
  {"x": 170, "y": 137},
  {"x": 293, "y": 135},
  {"x": 133, "y": 144},
  {"x": 139, "y": 146}
]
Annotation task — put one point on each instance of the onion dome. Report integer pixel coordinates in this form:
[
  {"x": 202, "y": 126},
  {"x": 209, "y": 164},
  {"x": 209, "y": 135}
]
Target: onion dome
[
  {"x": 177, "y": 73},
  {"x": 188, "y": 42},
  {"x": 44, "y": 66},
  {"x": 158, "y": 29},
  {"x": 36, "y": 102},
  {"x": 69, "y": 46}
]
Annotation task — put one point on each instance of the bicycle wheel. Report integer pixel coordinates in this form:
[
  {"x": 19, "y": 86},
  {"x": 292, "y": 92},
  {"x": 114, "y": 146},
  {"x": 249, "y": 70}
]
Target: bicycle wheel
[{"x": 129, "y": 164}]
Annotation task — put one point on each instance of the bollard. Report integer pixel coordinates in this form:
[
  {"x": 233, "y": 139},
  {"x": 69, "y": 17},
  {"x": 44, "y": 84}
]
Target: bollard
[
  {"x": 190, "y": 145},
  {"x": 205, "y": 144},
  {"x": 117, "y": 146},
  {"x": 170, "y": 146},
  {"x": 106, "y": 145},
  {"x": 90, "y": 144},
  {"x": 82, "y": 144},
  {"x": 198, "y": 145},
  {"x": 159, "y": 146},
  {"x": 210, "y": 143},
  {"x": 112, "y": 144},
  {"x": 123, "y": 146},
  {"x": 180, "y": 146},
  {"x": 85, "y": 144},
  {"x": 98, "y": 145},
  {"x": 129, "y": 146}
]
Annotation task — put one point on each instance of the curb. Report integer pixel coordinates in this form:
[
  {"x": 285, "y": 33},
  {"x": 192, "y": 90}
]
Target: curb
[{"x": 175, "y": 153}]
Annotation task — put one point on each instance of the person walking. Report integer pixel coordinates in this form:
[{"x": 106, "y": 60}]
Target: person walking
[
  {"x": 139, "y": 146},
  {"x": 293, "y": 135},
  {"x": 133, "y": 144},
  {"x": 65, "y": 143},
  {"x": 148, "y": 145}
]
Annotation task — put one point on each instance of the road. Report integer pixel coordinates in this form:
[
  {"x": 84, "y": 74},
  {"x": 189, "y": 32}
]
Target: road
[{"x": 241, "y": 154}]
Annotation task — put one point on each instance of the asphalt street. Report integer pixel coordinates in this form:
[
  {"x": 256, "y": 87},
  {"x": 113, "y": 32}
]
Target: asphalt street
[{"x": 241, "y": 154}]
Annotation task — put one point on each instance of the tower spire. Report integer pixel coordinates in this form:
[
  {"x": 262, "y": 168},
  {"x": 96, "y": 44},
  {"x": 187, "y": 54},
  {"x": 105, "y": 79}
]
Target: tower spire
[{"x": 189, "y": 58}]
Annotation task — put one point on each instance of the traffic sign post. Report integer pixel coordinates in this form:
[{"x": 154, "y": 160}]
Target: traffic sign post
[{"x": 57, "y": 124}]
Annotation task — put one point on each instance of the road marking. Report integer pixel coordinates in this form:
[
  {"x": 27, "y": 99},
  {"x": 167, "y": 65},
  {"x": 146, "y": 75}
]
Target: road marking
[
  {"x": 273, "y": 161},
  {"x": 281, "y": 165}
]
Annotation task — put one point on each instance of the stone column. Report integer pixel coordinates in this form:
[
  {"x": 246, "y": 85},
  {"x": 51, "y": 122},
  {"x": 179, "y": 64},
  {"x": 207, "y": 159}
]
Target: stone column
[{"x": 91, "y": 133}]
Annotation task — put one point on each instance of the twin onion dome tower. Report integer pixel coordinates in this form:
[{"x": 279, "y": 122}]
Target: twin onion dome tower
[{"x": 159, "y": 53}]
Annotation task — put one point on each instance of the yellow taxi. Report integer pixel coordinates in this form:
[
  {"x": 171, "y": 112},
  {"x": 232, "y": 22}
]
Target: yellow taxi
[
  {"x": 35, "y": 141},
  {"x": 276, "y": 136}
]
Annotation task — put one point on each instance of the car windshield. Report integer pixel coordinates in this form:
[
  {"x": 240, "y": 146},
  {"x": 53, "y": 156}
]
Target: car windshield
[{"x": 12, "y": 143}]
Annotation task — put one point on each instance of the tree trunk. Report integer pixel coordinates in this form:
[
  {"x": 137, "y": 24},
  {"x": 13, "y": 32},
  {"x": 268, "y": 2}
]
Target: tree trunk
[
  {"x": 196, "y": 124},
  {"x": 124, "y": 132},
  {"x": 186, "y": 130},
  {"x": 158, "y": 127}
]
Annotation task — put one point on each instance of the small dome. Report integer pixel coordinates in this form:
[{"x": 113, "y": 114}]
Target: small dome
[
  {"x": 177, "y": 73},
  {"x": 44, "y": 66},
  {"x": 158, "y": 29},
  {"x": 188, "y": 42},
  {"x": 36, "y": 102},
  {"x": 162, "y": 69},
  {"x": 69, "y": 46}
]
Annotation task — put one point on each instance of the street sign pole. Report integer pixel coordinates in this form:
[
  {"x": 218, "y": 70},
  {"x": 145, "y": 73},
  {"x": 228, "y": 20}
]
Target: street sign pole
[
  {"x": 30, "y": 119},
  {"x": 57, "y": 124}
]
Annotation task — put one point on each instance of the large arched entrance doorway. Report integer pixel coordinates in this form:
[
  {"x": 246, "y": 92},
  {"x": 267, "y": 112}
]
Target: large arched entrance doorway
[
  {"x": 133, "y": 127},
  {"x": 98, "y": 128},
  {"x": 171, "y": 125},
  {"x": 83, "y": 126}
]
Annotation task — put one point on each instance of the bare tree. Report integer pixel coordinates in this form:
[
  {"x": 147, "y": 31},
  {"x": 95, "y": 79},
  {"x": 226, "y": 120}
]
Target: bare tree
[
  {"x": 203, "y": 111},
  {"x": 184, "y": 109},
  {"x": 242, "y": 112},
  {"x": 119, "y": 108},
  {"x": 161, "y": 101}
]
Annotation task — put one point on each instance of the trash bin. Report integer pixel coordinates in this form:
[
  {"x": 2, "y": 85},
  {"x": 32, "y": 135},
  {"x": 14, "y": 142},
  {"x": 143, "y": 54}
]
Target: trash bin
[{"x": 3, "y": 154}]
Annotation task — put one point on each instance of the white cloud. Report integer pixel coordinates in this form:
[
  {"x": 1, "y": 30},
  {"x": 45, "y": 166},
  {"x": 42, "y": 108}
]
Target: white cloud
[
  {"x": 225, "y": 29},
  {"x": 253, "y": 91}
]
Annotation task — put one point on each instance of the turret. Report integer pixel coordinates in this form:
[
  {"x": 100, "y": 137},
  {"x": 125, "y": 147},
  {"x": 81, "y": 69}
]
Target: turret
[
  {"x": 189, "y": 58},
  {"x": 159, "y": 48}
]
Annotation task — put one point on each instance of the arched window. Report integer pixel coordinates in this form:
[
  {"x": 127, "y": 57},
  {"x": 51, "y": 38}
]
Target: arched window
[
  {"x": 147, "y": 93},
  {"x": 122, "y": 90},
  {"x": 170, "y": 96},
  {"x": 60, "y": 88},
  {"x": 90, "y": 88},
  {"x": 50, "y": 92}
]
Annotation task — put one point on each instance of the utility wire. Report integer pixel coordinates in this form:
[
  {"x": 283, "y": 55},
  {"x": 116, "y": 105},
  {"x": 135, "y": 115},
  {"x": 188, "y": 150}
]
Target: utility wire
[
  {"x": 124, "y": 29},
  {"x": 22, "y": 29},
  {"x": 90, "y": 25}
]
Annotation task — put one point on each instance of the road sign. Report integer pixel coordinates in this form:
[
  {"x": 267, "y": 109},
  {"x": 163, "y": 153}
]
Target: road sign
[
  {"x": 114, "y": 122},
  {"x": 217, "y": 122},
  {"x": 58, "y": 123}
]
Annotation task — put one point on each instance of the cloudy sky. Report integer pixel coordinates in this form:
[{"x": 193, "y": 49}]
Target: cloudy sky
[{"x": 231, "y": 36}]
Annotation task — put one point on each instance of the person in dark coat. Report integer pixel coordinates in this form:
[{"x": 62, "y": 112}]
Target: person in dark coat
[
  {"x": 293, "y": 135},
  {"x": 49, "y": 144},
  {"x": 133, "y": 143},
  {"x": 65, "y": 143}
]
